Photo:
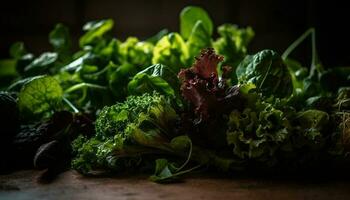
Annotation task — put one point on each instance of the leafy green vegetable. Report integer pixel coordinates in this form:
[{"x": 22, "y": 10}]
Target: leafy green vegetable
[
  {"x": 199, "y": 39},
  {"x": 17, "y": 50},
  {"x": 7, "y": 71},
  {"x": 257, "y": 132},
  {"x": 142, "y": 83},
  {"x": 60, "y": 40},
  {"x": 126, "y": 130},
  {"x": 233, "y": 43},
  {"x": 135, "y": 52},
  {"x": 158, "y": 78},
  {"x": 268, "y": 72},
  {"x": 42, "y": 64},
  {"x": 137, "y": 105},
  {"x": 95, "y": 30},
  {"x": 39, "y": 95},
  {"x": 154, "y": 39},
  {"x": 171, "y": 51},
  {"x": 189, "y": 16}
]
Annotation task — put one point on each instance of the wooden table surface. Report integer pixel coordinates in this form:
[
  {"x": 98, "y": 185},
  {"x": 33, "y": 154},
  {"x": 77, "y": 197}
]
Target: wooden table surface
[{"x": 71, "y": 185}]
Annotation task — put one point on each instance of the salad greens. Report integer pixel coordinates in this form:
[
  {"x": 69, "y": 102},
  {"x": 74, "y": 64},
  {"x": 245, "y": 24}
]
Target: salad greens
[{"x": 174, "y": 103}]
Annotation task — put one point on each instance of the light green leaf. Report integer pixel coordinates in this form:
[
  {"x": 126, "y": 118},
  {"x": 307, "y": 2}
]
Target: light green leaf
[
  {"x": 42, "y": 63},
  {"x": 199, "y": 39},
  {"x": 189, "y": 16},
  {"x": 95, "y": 29},
  {"x": 171, "y": 51},
  {"x": 40, "y": 95}
]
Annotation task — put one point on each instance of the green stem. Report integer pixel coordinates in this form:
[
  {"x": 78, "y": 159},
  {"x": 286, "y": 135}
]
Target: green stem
[
  {"x": 297, "y": 42},
  {"x": 83, "y": 85},
  {"x": 70, "y": 105},
  {"x": 186, "y": 171},
  {"x": 188, "y": 158},
  {"x": 314, "y": 58}
]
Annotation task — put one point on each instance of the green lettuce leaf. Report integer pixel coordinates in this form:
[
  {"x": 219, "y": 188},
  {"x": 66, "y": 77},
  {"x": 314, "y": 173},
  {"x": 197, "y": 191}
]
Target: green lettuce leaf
[
  {"x": 171, "y": 51},
  {"x": 189, "y": 16}
]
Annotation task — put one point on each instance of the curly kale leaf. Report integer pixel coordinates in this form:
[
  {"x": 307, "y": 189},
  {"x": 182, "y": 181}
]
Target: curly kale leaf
[{"x": 142, "y": 125}]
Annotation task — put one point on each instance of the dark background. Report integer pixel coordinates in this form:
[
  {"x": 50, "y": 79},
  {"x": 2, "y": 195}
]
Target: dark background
[{"x": 276, "y": 23}]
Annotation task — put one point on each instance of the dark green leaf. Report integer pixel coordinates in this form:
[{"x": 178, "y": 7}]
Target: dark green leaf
[
  {"x": 17, "y": 50},
  {"x": 42, "y": 63},
  {"x": 60, "y": 40},
  {"x": 268, "y": 72},
  {"x": 143, "y": 83}
]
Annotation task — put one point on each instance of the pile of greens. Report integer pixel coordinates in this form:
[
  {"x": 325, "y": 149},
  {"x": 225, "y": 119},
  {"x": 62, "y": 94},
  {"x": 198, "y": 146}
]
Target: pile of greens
[{"x": 171, "y": 104}]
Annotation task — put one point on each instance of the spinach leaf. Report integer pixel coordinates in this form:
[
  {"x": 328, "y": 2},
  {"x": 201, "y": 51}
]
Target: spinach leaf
[
  {"x": 60, "y": 40},
  {"x": 268, "y": 72},
  {"x": 42, "y": 64},
  {"x": 95, "y": 30},
  {"x": 39, "y": 96},
  {"x": 119, "y": 79}
]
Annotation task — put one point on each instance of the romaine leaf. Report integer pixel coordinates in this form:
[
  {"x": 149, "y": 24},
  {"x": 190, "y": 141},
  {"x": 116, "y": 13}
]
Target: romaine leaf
[
  {"x": 189, "y": 16},
  {"x": 198, "y": 40}
]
